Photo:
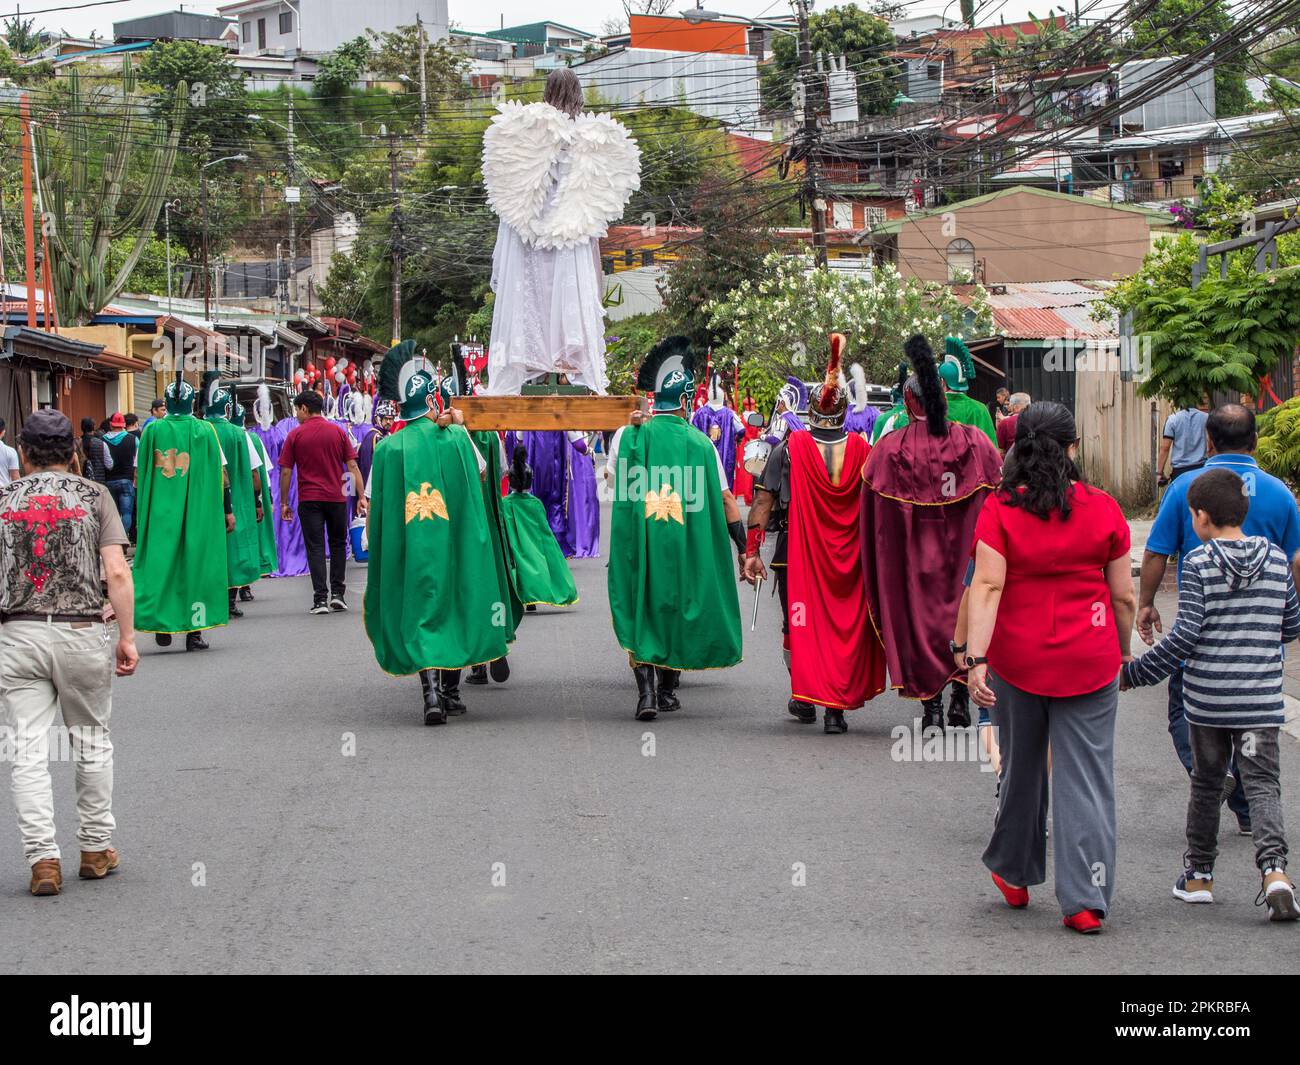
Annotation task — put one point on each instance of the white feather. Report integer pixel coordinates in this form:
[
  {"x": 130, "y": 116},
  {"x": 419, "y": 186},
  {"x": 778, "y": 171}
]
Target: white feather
[
  {"x": 558, "y": 181},
  {"x": 859, "y": 387}
]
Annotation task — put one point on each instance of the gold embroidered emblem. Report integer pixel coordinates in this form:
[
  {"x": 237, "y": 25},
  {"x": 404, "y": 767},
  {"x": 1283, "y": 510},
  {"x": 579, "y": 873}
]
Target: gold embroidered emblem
[
  {"x": 428, "y": 504},
  {"x": 664, "y": 505},
  {"x": 171, "y": 462},
  {"x": 715, "y": 433}
]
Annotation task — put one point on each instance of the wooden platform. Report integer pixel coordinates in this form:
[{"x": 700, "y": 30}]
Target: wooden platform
[{"x": 585, "y": 413}]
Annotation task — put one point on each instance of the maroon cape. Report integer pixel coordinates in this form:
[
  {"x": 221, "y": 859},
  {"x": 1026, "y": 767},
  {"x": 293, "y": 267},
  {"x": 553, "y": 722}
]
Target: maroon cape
[
  {"x": 921, "y": 499},
  {"x": 835, "y": 657}
]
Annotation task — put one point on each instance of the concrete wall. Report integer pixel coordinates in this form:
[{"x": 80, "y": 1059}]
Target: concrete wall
[
  {"x": 1024, "y": 237},
  {"x": 326, "y": 24}
]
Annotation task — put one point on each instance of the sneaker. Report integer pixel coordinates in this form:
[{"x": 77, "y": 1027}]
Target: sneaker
[
  {"x": 320, "y": 608},
  {"x": 1085, "y": 922},
  {"x": 1017, "y": 897},
  {"x": 338, "y": 604},
  {"x": 1243, "y": 826},
  {"x": 1278, "y": 894},
  {"x": 95, "y": 865},
  {"x": 1194, "y": 886},
  {"x": 47, "y": 877}
]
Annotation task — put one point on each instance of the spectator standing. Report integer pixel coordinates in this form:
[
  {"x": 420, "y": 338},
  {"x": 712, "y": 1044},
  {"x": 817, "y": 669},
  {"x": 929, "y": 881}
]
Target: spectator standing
[
  {"x": 157, "y": 409},
  {"x": 56, "y": 650},
  {"x": 1183, "y": 442},
  {"x": 133, "y": 425},
  {"x": 1271, "y": 513},
  {"x": 1236, "y": 607},
  {"x": 998, "y": 408},
  {"x": 9, "y": 470},
  {"x": 1050, "y": 616},
  {"x": 320, "y": 451},
  {"x": 119, "y": 477},
  {"x": 1007, "y": 426},
  {"x": 92, "y": 453}
]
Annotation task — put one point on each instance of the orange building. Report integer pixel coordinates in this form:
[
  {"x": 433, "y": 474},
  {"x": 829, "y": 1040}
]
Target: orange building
[{"x": 678, "y": 35}]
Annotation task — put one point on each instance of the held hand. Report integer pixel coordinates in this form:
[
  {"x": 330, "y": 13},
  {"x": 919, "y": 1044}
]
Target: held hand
[
  {"x": 959, "y": 659},
  {"x": 755, "y": 571},
  {"x": 259, "y": 513},
  {"x": 1148, "y": 619},
  {"x": 444, "y": 419},
  {"x": 977, "y": 684},
  {"x": 363, "y": 507},
  {"x": 638, "y": 417},
  {"x": 127, "y": 656},
  {"x": 230, "y": 523},
  {"x": 286, "y": 513},
  {"x": 457, "y": 416},
  {"x": 1124, "y": 685}
]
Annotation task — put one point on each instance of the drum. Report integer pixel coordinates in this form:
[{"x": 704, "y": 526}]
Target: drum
[{"x": 755, "y": 457}]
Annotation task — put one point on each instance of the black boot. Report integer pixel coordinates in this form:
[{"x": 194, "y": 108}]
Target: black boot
[
  {"x": 932, "y": 713},
  {"x": 246, "y": 594},
  {"x": 834, "y": 723},
  {"x": 477, "y": 675},
  {"x": 162, "y": 639},
  {"x": 805, "y": 712},
  {"x": 645, "y": 692},
  {"x": 449, "y": 690},
  {"x": 666, "y": 684},
  {"x": 195, "y": 642},
  {"x": 500, "y": 669},
  {"x": 235, "y": 612},
  {"x": 959, "y": 706},
  {"x": 434, "y": 712}
]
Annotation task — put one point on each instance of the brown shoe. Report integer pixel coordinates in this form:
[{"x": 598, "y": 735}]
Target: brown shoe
[
  {"x": 47, "y": 877},
  {"x": 95, "y": 865}
]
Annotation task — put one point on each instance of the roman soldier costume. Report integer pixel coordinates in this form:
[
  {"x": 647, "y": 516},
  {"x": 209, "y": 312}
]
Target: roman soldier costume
[
  {"x": 179, "y": 569},
  {"x": 539, "y": 573},
  {"x": 243, "y": 552},
  {"x": 433, "y": 602},
  {"x": 564, "y": 479},
  {"x": 267, "y": 553},
  {"x": 671, "y": 591},
  {"x": 861, "y": 417},
  {"x": 956, "y": 374},
  {"x": 924, "y": 485},
  {"x": 812, "y": 480}
]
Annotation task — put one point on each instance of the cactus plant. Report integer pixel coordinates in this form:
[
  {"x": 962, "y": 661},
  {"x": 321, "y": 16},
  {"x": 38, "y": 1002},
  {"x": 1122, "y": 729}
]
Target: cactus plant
[{"x": 83, "y": 210}]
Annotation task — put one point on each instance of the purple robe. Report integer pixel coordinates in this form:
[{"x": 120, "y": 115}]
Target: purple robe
[
  {"x": 723, "y": 426},
  {"x": 288, "y": 535},
  {"x": 861, "y": 421},
  {"x": 564, "y": 479}
]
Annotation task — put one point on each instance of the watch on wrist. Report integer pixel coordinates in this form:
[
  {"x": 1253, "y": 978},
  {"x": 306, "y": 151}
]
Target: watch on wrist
[
  {"x": 956, "y": 648},
  {"x": 972, "y": 661}
]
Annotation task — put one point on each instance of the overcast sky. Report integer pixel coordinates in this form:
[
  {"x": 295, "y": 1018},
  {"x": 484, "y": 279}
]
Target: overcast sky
[{"x": 586, "y": 15}]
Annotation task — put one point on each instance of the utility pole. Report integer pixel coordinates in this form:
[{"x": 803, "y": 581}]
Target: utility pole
[
  {"x": 396, "y": 238},
  {"x": 203, "y": 211},
  {"x": 424, "y": 79},
  {"x": 811, "y": 134},
  {"x": 29, "y": 233},
  {"x": 291, "y": 285}
]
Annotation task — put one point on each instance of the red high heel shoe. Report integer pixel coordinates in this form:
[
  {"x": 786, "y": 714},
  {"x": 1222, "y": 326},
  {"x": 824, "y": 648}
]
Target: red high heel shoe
[
  {"x": 1017, "y": 897},
  {"x": 1085, "y": 922}
]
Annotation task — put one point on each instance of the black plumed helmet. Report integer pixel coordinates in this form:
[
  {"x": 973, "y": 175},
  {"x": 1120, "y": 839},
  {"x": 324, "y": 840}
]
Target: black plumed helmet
[{"x": 925, "y": 384}]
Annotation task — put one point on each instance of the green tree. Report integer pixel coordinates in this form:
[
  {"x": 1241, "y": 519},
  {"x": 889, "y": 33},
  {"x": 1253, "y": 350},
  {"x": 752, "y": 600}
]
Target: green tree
[
  {"x": 395, "y": 56},
  {"x": 864, "y": 38},
  {"x": 22, "y": 36},
  {"x": 1183, "y": 27},
  {"x": 218, "y": 105},
  {"x": 341, "y": 69},
  {"x": 342, "y": 294}
]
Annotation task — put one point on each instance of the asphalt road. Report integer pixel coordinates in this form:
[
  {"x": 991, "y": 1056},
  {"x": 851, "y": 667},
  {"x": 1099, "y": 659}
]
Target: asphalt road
[{"x": 281, "y": 809}]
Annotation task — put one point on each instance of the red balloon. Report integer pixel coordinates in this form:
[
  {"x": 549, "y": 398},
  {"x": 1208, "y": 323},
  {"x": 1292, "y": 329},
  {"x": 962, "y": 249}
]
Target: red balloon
[{"x": 329, "y": 364}]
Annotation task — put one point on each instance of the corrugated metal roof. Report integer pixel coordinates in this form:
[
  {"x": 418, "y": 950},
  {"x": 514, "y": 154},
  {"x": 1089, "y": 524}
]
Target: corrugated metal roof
[{"x": 1043, "y": 310}]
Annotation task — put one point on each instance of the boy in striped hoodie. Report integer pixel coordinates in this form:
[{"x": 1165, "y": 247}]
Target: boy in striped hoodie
[{"x": 1237, "y": 605}]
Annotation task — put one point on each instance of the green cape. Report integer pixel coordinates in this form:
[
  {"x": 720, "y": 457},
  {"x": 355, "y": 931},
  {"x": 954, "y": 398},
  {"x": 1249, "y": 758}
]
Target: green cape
[
  {"x": 268, "y": 554},
  {"x": 541, "y": 575},
  {"x": 179, "y": 569},
  {"x": 489, "y": 446},
  {"x": 961, "y": 408},
  {"x": 672, "y": 589},
  {"x": 243, "y": 553},
  {"x": 432, "y": 598}
]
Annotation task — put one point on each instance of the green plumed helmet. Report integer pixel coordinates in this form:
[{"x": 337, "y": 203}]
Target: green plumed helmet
[
  {"x": 407, "y": 379},
  {"x": 669, "y": 373},
  {"x": 958, "y": 367},
  {"x": 216, "y": 396},
  {"x": 179, "y": 396}
]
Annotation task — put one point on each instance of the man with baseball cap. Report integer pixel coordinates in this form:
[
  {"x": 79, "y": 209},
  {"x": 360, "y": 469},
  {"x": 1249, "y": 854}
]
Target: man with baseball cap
[
  {"x": 120, "y": 473},
  {"x": 57, "y": 653}
]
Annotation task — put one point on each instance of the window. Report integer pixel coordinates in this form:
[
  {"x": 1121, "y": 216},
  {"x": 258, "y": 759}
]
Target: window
[
  {"x": 246, "y": 31},
  {"x": 261, "y": 34},
  {"x": 286, "y": 22},
  {"x": 961, "y": 262},
  {"x": 933, "y": 71},
  {"x": 841, "y": 216}
]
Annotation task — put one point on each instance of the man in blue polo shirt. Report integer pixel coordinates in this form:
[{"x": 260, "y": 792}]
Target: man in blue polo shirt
[{"x": 1272, "y": 513}]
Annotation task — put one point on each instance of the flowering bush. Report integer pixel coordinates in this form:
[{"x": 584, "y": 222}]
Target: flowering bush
[{"x": 782, "y": 322}]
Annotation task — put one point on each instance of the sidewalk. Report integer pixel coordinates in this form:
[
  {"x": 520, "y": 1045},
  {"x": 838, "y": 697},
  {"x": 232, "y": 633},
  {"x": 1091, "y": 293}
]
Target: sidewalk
[{"x": 1167, "y": 604}]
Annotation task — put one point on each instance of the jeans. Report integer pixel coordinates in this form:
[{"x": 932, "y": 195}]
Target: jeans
[
  {"x": 1178, "y": 732},
  {"x": 48, "y": 668},
  {"x": 123, "y": 493},
  {"x": 1255, "y": 753},
  {"x": 322, "y": 522}
]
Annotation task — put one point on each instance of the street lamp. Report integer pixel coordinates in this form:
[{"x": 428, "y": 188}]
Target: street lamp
[
  {"x": 293, "y": 222},
  {"x": 203, "y": 198}
]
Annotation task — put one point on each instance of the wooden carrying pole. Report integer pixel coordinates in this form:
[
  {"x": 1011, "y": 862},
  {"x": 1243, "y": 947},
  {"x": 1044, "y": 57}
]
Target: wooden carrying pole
[{"x": 585, "y": 413}]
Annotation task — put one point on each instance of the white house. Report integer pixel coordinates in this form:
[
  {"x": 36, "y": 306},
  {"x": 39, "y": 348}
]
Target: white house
[
  {"x": 714, "y": 84},
  {"x": 314, "y": 27}
]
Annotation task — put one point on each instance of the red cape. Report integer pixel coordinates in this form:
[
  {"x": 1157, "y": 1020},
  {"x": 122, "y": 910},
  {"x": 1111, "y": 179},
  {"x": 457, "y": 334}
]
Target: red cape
[
  {"x": 836, "y": 660},
  {"x": 921, "y": 499}
]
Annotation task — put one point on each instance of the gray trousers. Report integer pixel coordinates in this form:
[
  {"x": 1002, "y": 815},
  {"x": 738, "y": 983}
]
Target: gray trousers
[
  {"x": 1257, "y": 764},
  {"x": 1081, "y": 732}
]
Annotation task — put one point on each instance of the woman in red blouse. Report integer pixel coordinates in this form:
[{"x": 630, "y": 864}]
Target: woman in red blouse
[{"x": 1051, "y": 613}]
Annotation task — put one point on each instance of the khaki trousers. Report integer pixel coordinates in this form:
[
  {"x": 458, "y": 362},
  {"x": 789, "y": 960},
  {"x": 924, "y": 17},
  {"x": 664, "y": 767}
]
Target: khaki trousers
[{"x": 47, "y": 667}]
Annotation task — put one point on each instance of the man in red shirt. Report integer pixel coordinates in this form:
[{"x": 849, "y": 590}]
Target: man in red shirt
[
  {"x": 320, "y": 451},
  {"x": 1007, "y": 426}
]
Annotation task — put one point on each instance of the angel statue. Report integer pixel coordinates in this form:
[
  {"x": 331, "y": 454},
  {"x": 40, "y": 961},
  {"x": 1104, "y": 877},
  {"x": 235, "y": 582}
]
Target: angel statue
[{"x": 557, "y": 177}]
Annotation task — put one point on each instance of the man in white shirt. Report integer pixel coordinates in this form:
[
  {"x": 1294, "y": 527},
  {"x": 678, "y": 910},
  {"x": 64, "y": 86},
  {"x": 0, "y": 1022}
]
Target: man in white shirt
[{"x": 8, "y": 459}]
